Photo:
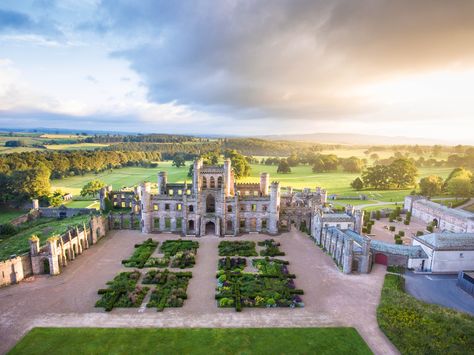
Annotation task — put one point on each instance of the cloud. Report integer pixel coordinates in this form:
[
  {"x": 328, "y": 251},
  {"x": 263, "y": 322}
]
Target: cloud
[
  {"x": 14, "y": 20},
  {"x": 286, "y": 59}
]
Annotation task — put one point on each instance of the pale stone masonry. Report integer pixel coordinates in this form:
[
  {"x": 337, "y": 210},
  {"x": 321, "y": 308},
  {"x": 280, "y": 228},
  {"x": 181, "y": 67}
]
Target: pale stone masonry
[{"x": 213, "y": 204}]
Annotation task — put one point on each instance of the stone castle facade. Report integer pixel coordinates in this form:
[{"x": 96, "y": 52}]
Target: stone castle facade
[{"x": 213, "y": 204}]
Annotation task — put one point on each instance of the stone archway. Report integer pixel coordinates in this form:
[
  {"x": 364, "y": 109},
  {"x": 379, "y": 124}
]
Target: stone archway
[
  {"x": 435, "y": 222},
  {"x": 210, "y": 228}
]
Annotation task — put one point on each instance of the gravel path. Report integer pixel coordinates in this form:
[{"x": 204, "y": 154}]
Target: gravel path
[{"x": 331, "y": 298}]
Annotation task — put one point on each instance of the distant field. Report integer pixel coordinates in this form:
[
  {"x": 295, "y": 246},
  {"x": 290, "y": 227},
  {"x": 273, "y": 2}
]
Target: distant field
[
  {"x": 301, "y": 176},
  {"x": 192, "y": 341},
  {"x": 76, "y": 146}
]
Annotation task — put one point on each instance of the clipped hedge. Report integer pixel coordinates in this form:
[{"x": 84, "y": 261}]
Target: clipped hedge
[{"x": 415, "y": 327}]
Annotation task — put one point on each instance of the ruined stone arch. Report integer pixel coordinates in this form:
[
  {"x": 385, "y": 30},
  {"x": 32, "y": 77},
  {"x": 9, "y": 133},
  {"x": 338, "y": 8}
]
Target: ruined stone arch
[{"x": 212, "y": 182}]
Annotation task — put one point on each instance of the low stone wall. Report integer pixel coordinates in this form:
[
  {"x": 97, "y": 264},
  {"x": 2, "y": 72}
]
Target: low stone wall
[
  {"x": 55, "y": 254},
  {"x": 30, "y": 216},
  {"x": 63, "y": 212}
]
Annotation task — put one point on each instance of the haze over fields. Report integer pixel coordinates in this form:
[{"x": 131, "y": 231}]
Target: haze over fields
[{"x": 385, "y": 68}]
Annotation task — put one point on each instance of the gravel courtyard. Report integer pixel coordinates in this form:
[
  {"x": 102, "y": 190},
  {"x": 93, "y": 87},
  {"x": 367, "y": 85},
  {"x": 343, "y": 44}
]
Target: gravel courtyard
[{"x": 331, "y": 298}]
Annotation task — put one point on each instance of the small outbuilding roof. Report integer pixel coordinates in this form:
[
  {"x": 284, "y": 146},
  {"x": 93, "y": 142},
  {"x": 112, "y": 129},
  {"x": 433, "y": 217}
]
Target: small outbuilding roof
[
  {"x": 337, "y": 217},
  {"x": 448, "y": 241}
]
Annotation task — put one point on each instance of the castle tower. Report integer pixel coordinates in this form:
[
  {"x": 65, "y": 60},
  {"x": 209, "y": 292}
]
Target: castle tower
[
  {"x": 264, "y": 183},
  {"x": 103, "y": 194},
  {"x": 227, "y": 177},
  {"x": 359, "y": 221},
  {"x": 162, "y": 181},
  {"x": 196, "y": 176},
  {"x": 146, "y": 207},
  {"x": 274, "y": 208}
]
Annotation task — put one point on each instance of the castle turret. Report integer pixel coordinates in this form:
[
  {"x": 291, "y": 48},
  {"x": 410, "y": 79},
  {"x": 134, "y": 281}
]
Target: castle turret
[
  {"x": 264, "y": 183},
  {"x": 162, "y": 181},
  {"x": 146, "y": 207},
  {"x": 274, "y": 208},
  {"x": 196, "y": 176},
  {"x": 227, "y": 177},
  {"x": 359, "y": 221}
]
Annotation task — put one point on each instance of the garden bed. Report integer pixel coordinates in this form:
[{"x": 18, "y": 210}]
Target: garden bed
[
  {"x": 123, "y": 291},
  {"x": 271, "y": 286},
  {"x": 177, "y": 254},
  {"x": 170, "y": 290},
  {"x": 237, "y": 248},
  {"x": 271, "y": 248},
  {"x": 141, "y": 254}
]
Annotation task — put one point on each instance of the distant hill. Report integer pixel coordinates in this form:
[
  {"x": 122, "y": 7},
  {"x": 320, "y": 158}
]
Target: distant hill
[{"x": 353, "y": 139}]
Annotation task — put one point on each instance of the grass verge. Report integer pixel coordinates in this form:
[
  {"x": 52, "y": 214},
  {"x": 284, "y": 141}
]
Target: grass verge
[
  {"x": 192, "y": 341},
  {"x": 416, "y": 327}
]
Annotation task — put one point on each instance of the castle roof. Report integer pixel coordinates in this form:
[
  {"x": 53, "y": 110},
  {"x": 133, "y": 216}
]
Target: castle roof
[
  {"x": 337, "y": 217},
  {"x": 443, "y": 209},
  {"x": 448, "y": 241}
]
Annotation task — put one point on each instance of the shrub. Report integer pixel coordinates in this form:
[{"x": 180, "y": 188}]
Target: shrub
[
  {"x": 398, "y": 241},
  {"x": 377, "y": 215},
  {"x": 419, "y": 233},
  {"x": 429, "y": 229},
  {"x": 7, "y": 229},
  {"x": 406, "y": 222},
  {"x": 401, "y": 233},
  {"x": 391, "y": 228}
]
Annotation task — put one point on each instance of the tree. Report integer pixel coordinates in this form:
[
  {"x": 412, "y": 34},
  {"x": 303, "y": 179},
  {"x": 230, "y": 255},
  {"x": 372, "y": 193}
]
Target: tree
[
  {"x": 460, "y": 186},
  {"x": 56, "y": 198},
  {"x": 179, "y": 161},
  {"x": 32, "y": 183},
  {"x": 211, "y": 158},
  {"x": 431, "y": 185},
  {"x": 293, "y": 160},
  {"x": 377, "y": 177},
  {"x": 284, "y": 167},
  {"x": 352, "y": 165},
  {"x": 92, "y": 188},
  {"x": 240, "y": 165},
  {"x": 357, "y": 184},
  {"x": 191, "y": 170},
  {"x": 319, "y": 166},
  {"x": 403, "y": 173}
]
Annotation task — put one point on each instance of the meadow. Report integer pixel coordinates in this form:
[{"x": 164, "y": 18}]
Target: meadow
[
  {"x": 192, "y": 341},
  {"x": 300, "y": 177}
]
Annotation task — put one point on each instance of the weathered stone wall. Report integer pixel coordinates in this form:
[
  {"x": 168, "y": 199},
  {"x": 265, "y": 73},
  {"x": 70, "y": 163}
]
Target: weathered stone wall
[
  {"x": 11, "y": 271},
  {"x": 60, "y": 212}
]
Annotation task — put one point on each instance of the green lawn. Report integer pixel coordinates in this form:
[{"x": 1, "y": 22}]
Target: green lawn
[
  {"x": 416, "y": 327},
  {"x": 192, "y": 341},
  {"x": 7, "y": 215},
  {"x": 43, "y": 228},
  {"x": 301, "y": 176}
]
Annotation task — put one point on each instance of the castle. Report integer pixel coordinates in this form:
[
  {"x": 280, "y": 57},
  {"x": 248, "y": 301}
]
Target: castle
[{"x": 213, "y": 204}]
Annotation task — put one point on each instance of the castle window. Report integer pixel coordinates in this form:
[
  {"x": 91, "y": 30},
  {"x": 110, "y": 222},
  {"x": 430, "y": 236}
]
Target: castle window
[
  {"x": 123, "y": 205},
  {"x": 254, "y": 207},
  {"x": 264, "y": 208},
  {"x": 338, "y": 225},
  {"x": 255, "y": 193},
  {"x": 178, "y": 207},
  {"x": 242, "y": 223},
  {"x": 242, "y": 208},
  {"x": 264, "y": 223},
  {"x": 461, "y": 255},
  {"x": 219, "y": 182},
  {"x": 179, "y": 223},
  {"x": 168, "y": 223},
  {"x": 155, "y": 207},
  {"x": 213, "y": 182},
  {"x": 229, "y": 208},
  {"x": 188, "y": 192},
  {"x": 170, "y": 192},
  {"x": 167, "y": 207},
  {"x": 156, "y": 223},
  {"x": 191, "y": 208},
  {"x": 204, "y": 182},
  {"x": 180, "y": 192}
]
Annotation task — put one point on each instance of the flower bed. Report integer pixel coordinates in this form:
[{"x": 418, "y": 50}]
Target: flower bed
[
  {"x": 123, "y": 291},
  {"x": 271, "y": 248},
  {"x": 237, "y": 248},
  {"x": 177, "y": 253},
  {"x": 141, "y": 254},
  {"x": 272, "y": 286},
  {"x": 170, "y": 290}
]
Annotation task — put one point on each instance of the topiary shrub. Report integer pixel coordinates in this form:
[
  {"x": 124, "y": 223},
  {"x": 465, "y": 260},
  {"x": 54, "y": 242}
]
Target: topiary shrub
[
  {"x": 391, "y": 228},
  {"x": 401, "y": 233},
  {"x": 419, "y": 233}
]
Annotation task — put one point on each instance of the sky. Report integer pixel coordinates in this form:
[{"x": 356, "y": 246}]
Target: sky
[{"x": 394, "y": 68}]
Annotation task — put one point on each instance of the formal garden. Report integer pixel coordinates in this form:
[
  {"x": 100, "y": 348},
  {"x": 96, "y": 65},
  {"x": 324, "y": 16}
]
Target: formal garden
[
  {"x": 237, "y": 248},
  {"x": 170, "y": 288},
  {"x": 271, "y": 285},
  {"x": 122, "y": 291},
  {"x": 176, "y": 254},
  {"x": 141, "y": 254}
]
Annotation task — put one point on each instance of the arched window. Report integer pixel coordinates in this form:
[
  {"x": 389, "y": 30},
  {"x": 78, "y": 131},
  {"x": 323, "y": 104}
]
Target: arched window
[
  {"x": 219, "y": 182},
  {"x": 204, "y": 182},
  {"x": 213, "y": 182},
  {"x": 210, "y": 204}
]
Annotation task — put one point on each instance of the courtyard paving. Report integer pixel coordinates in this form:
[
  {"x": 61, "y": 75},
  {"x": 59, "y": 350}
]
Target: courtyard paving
[
  {"x": 381, "y": 232},
  {"x": 331, "y": 298}
]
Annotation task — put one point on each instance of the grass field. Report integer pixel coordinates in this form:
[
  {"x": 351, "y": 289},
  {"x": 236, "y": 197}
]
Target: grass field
[
  {"x": 192, "y": 341},
  {"x": 76, "y": 146},
  {"x": 301, "y": 176},
  {"x": 7, "y": 215},
  {"x": 43, "y": 228}
]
